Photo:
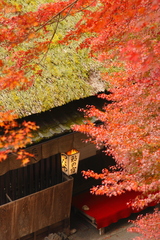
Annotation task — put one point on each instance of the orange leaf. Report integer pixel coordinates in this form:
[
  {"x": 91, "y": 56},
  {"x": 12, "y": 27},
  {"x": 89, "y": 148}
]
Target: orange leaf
[{"x": 1, "y": 63}]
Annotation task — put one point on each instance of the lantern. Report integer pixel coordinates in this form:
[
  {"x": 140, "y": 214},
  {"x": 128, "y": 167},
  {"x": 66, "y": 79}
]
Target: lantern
[{"x": 70, "y": 161}]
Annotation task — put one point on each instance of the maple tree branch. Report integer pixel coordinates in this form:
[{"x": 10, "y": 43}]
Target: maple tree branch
[
  {"x": 68, "y": 13},
  {"x": 51, "y": 39},
  {"x": 59, "y": 20},
  {"x": 71, "y": 5},
  {"x": 48, "y": 22},
  {"x": 86, "y": 6}
]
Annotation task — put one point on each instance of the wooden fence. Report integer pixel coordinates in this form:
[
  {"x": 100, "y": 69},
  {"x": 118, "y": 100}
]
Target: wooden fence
[
  {"x": 36, "y": 211},
  {"x": 33, "y": 198}
]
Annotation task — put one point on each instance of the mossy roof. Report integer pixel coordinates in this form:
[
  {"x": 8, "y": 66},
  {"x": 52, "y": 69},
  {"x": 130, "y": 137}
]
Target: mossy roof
[
  {"x": 58, "y": 121},
  {"x": 47, "y": 93}
]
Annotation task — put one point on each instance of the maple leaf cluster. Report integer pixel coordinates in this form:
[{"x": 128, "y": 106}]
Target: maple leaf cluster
[
  {"x": 14, "y": 137},
  {"x": 145, "y": 226}
]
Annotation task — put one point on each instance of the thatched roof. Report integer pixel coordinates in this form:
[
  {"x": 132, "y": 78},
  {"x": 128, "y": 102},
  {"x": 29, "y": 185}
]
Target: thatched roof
[
  {"x": 45, "y": 95},
  {"x": 72, "y": 76}
]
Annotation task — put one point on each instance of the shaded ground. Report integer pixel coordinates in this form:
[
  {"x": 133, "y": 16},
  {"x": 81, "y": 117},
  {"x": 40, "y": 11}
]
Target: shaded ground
[{"x": 116, "y": 231}]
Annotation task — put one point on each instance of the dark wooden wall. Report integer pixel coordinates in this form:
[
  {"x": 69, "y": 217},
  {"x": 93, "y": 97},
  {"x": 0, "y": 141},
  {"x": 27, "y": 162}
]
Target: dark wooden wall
[{"x": 23, "y": 181}]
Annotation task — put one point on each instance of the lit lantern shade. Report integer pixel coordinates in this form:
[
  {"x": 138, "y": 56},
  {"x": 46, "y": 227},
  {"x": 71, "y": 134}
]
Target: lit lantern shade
[{"x": 70, "y": 161}]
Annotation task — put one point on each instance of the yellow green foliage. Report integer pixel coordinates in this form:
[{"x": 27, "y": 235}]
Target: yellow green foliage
[{"x": 29, "y": 5}]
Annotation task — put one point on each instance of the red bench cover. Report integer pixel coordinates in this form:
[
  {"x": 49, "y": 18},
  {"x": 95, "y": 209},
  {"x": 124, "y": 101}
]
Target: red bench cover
[{"x": 105, "y": 210}]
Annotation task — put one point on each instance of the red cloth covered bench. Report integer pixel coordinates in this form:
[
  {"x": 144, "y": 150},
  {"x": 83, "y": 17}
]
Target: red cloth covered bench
[{"x": 103, "y": 210}]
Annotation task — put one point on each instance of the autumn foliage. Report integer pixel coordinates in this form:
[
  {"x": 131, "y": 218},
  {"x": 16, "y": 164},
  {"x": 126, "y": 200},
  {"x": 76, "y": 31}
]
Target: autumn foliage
[
  {"x": 127, "y": 41},
  {"x": 15, "y": 136},
  {"x": 124, "y": 35}
]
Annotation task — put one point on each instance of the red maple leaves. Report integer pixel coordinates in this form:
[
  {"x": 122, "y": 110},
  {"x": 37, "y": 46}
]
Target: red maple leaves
[{"x": 127, "y": 41}]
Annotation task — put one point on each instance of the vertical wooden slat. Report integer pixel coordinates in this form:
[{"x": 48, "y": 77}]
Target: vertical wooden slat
[
  {"x": 44, "y": 173},
  {"x": 10, "y": 186},
  {"x": 58, "y": 168},
  {"x": 47, "y": 171},
  {"x": 53, "y": 171},
  {"x": 36, "y": 176},
  {"x": 31, "y": 179},
  {"x": 42, "y": 180},
  {"x": 6, "y": 190},
  {"x": 26, "y": 181},
  {"x": 19, "y": 183},
  {"x": 2, "y": 193},
  {"x": 13, "y": 180},
  {"x": 50, "y": 171},
  {"x": 16, "y": 183}
]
